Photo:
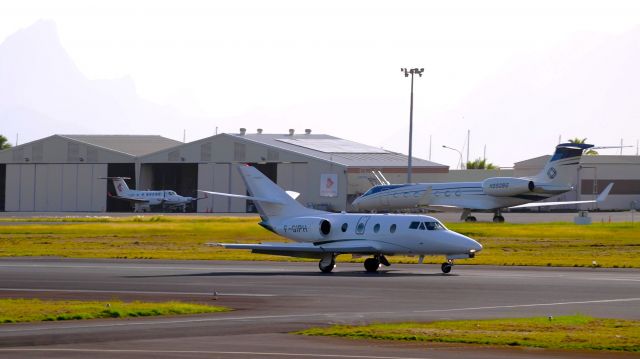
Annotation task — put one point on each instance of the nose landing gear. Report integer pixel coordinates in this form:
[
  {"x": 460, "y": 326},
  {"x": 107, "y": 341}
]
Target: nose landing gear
[{"x": 447, "y": 266}]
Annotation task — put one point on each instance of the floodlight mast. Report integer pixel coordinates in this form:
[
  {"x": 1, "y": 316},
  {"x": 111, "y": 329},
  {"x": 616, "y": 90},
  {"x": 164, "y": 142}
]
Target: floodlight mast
[{"x": 407, "y": 72}]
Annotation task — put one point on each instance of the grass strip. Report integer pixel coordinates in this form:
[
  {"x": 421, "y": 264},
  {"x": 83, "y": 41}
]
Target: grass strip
[
  {"x": 565, "y": 332},
  {"x": 32, "y": 310},
  {"x": 183, "y": 237}
]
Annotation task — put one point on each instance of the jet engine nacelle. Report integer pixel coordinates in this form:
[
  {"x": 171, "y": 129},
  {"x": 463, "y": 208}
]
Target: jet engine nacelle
[
  {"x": 506, "y": 186},
  {"x": 305, "y": 229}
]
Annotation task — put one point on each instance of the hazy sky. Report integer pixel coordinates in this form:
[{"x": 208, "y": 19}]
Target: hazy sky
[{"x": 332, "y": 66}]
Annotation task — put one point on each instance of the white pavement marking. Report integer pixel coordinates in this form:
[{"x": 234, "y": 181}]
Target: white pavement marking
[
  {"x": 580, "y": 276},
  {"x": 134, "y": 292},
  {"x": 132, "y": 351},
  {"x": 213, "y": 267},
  {"x": 310, "y": 315},
  {"x": 531, "y": 305}
]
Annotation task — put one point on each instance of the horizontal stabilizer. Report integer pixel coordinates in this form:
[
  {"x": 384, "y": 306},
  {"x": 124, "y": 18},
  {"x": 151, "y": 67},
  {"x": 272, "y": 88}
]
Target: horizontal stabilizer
[
  {"x": 257, "y": 199},
  {"x": 293, "y": 194},
  {"x": 601, "y": 197}
]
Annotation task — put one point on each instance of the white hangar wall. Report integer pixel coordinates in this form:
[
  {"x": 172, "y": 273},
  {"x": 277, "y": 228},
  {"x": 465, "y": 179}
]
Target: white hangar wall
[{"x": 55, "y": 187}]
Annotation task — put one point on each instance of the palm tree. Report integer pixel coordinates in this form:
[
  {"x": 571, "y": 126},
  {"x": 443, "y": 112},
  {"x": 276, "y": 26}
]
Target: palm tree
[
  {"x": 577, "y": 140},
  {"x": 480, "y": 164},
  {"x": 4, "y": 143}
]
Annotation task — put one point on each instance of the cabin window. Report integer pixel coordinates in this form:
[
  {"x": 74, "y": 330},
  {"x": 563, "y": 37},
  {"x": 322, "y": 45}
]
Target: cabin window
[
  {"x": 392, "y": 229},
  {"x": 376, "y": 228},
  {"x": 414, "y": 225},
  {"x": 344, "y": 227},
  {"x": 360, "y": 228}
]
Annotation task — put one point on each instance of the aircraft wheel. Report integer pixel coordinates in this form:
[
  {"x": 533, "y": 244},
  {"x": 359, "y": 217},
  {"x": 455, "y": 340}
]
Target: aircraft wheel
[
  {"x": 327, "y": 268},
  {"x": 446, "y": 267},
  {"x": 371, "y": 264},
  {"x": 471, "y": 219},
  {"x": 498, "y": 219}
]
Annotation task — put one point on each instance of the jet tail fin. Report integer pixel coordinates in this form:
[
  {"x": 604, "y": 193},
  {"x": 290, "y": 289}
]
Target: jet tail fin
[{"x": 270, "y": 200}]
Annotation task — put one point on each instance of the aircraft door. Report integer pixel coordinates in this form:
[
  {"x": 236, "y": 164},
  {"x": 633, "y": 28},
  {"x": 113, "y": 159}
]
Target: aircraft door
[{"x": 362, "y": 224}]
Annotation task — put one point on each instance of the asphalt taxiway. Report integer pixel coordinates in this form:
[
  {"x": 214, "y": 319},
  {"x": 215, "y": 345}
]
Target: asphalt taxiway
[{"x": 273, "y": 299}]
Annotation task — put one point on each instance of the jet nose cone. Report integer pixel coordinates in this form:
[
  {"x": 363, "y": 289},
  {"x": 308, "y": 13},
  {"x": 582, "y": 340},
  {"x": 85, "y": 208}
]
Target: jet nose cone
[
  {"x": 471, "y": 244},
  {"x": 475, "y": 245},
  {"x": 356, "y": 203}
]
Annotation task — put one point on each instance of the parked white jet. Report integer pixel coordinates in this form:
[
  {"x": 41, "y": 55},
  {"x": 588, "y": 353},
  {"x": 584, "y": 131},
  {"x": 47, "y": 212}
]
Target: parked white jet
[
  {"x": 143, "y": 200},
  {"x": 492, "y": 194},
  {"x": 324, "y": 235}
]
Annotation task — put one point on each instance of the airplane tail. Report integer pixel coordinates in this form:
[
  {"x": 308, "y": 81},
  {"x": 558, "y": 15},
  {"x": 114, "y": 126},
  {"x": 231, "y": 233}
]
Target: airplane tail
[
  {"x": 559, "y": 171},
  {"x": 119, "y": 184},
  {"x": 271, "y": 201}
]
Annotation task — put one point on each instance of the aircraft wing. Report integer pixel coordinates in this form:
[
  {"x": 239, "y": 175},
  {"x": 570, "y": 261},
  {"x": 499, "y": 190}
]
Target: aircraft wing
[
  {"x": 307, "y": 250},
  {"x": 130, "y": 199},
  {"x": 258, "y": 199},
  {"x": 601, "y": 197}
]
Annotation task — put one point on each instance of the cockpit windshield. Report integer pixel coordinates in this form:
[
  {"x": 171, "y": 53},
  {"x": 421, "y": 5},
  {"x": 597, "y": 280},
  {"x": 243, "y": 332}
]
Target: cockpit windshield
[
  {"x": 428, "y": 225},
  {"x": 376, "y": 189}
]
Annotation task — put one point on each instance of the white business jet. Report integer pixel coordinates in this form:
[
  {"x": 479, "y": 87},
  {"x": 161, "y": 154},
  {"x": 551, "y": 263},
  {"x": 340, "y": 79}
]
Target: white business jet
[
  {"x": 492, "y": 194},
  {"x": 143, "y": 200},
  {"x": 324, "y": 235}
]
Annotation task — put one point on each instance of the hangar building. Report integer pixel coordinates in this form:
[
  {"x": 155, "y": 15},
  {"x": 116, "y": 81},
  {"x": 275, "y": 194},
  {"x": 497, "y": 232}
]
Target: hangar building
[{"x": 62, "y": 172}]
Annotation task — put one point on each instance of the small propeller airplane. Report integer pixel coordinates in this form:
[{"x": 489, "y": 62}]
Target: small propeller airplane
[
  {"x": 143, "y": 200},
  {"x": 493, "y": 194},
  {"x": 325, "y": 235}
]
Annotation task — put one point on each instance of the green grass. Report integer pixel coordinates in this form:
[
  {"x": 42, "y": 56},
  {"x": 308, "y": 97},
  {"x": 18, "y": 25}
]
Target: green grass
[
  {"x": 179, "y": 237},
  {"x": 31, "y": 310},
  {"x": 567, "y": 332}
]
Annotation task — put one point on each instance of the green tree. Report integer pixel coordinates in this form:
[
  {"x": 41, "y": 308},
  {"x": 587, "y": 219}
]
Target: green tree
[
  {"x": 577, "y": 140},
  {"x": 4, "y": 143},
  {"x": 480, "y": 164}
]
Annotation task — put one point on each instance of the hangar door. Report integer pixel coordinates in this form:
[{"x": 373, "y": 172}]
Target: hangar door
[
  {"x": 224, "y": 177},
  {"x": 55, "y": 187},
  {"x": 180, "y": 177},
  {"x": 221, "y": 177},
  {"x": 3, "y": 187}
]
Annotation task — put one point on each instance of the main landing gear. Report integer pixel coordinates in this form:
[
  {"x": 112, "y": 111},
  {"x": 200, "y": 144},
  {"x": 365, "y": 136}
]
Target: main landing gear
[
  {"x": 497, "y": 217},
  {"x": 466, "y": 216},
  {"x": 372, "y": 265},
  {"x": 327, "y": 263}
]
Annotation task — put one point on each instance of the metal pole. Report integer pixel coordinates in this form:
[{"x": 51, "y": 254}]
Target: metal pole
[
  {"x": 406, "y": 74},
  {"x": 468, "y": 143},
  {"x": 410, "y": 132}
]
